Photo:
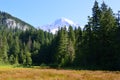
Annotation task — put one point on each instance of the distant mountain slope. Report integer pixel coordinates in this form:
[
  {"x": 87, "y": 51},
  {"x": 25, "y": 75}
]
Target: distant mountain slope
[
  {"x": 59, "y": 23},
  {"x": 12, "y": 22}
]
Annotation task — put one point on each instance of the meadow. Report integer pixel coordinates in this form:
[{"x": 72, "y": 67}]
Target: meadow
[{"x": 10, "y": 73}]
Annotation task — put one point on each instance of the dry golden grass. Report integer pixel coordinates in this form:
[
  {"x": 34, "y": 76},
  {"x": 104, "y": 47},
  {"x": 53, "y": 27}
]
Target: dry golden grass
[{"x": 54, "y": 74}]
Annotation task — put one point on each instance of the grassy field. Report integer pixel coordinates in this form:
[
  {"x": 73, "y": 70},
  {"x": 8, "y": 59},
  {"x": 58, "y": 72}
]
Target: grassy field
[{"x": 10, "y": 73}]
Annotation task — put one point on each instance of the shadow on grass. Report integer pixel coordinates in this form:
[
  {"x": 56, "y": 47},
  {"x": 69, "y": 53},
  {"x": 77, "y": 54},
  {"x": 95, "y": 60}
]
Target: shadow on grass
[
  {"x": 44, "y": 66},
  {"x": 93, "y": 68}
]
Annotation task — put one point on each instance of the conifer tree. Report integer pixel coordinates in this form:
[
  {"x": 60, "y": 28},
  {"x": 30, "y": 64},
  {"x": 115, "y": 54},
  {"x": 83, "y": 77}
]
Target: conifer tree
[
  {"x": 5, "y": 50},
  {"x": 71, "y": 34},
  {"x": 78, "y": 46},
  {"x": 62, "y": 48},
  {"x": 96, "y": 15},
  {"x": 107, "y": 34},
  {"x": 70, "y": 52},
  {"x": 16, "y": 49}
]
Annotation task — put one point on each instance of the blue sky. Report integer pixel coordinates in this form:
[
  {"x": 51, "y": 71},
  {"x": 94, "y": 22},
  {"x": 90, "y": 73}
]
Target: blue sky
[{"x": 41, "y": 12}]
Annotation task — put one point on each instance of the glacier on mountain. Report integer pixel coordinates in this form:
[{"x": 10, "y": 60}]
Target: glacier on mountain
[{"x": 62, "y": 22}]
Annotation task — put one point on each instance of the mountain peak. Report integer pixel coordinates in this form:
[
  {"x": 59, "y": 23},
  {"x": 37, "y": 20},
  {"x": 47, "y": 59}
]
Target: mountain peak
[
  {"x": 67, "y": 20},
  {"x": 61, "y": 22},
  {"x": 64, "y": 21}
]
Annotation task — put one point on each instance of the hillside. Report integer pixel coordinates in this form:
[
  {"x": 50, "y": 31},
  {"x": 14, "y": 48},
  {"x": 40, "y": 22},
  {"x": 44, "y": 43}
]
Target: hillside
[{"x": 9, "y": 21}]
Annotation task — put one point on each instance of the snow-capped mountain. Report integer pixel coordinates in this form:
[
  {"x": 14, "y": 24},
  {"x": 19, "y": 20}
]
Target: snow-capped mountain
[{"x": 59, "y": 23}]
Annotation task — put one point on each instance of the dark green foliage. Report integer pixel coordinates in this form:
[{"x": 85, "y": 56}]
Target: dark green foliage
[
  {"x": 98, "y": 45},
  {"x": 62, "y": 47},
  {"x": 3, "y": 50}
]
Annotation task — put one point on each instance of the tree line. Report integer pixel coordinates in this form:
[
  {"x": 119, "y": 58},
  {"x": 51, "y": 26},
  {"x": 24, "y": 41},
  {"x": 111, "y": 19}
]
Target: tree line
[{"x": 97, "y": 46}]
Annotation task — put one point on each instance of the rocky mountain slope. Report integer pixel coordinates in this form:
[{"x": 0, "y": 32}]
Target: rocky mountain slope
[{"x": 12, "y": 22}]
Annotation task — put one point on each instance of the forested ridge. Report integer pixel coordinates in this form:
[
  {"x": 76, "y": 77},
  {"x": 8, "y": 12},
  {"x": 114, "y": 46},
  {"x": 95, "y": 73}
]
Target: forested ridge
[{"x": 96, "y": 46}]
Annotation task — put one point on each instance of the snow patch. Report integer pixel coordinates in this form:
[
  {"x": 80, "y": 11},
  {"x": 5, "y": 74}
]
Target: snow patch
[{"x": 62, "y": 22}]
